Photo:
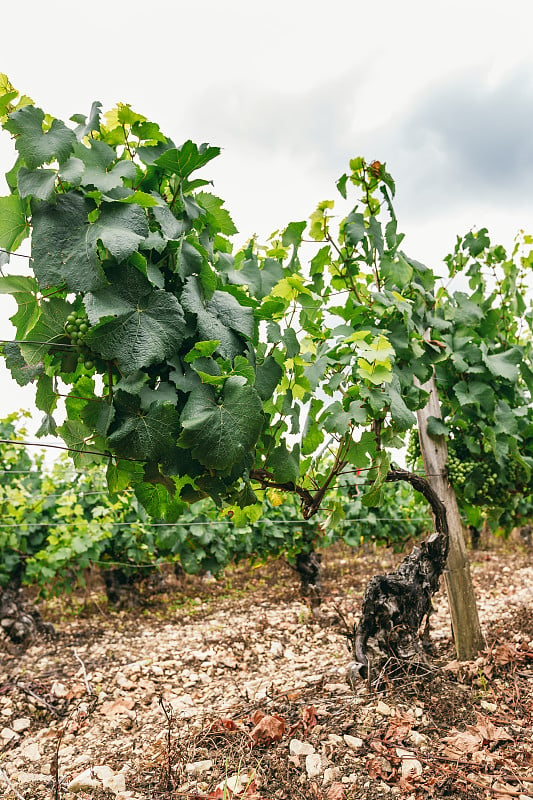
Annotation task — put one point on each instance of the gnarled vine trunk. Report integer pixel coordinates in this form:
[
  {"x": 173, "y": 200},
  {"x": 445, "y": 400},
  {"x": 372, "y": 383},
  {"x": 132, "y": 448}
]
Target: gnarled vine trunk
[
  {"x": 20, "y": 621},
  {"x": 309, "y": 568},
  {"x": 395, "y": 605}
]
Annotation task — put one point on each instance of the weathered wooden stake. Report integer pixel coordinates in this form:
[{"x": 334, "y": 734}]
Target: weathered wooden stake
[{"x": 465, "y": 621}]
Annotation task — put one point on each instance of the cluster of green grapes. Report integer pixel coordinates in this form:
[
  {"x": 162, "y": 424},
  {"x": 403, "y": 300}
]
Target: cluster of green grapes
[
  {"x": 476, "y": 480},
  {"x": 413, "y": 452},
  {"x": 76, "y": 326},
  {"x": 483, "y": 482}
]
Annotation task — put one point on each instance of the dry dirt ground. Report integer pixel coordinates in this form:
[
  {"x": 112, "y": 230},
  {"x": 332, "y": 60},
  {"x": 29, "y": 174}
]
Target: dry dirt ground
[{"x": 234, "y": 689}]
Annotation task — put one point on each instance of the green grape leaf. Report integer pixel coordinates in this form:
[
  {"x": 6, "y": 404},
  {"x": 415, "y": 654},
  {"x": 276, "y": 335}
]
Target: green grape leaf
[
  {"x": 504, "y": 365},
  {"x": 506, "y": 419},
  {"x": 11, "y": 284},
  {"x": 220, "y": 318},
  {"x": 48, "y": 426},
  {"x": 38, "y": 183},
  {"x": 22, "y": 372},
  {"x": 85, "y": 448},
  {"x": 475, "y": 393},
  {"x": 98, "y": 416},
  {"x": 104, "y": 180},
  {"x": 190, "y": 260},
  {"x": 165, "y": 393},
  {"x": 46, "y": 396},
  {"x": 155, "y": 498},
  {"x": 374, "y": 496},
  {"x": 403, "y": 418},
  {"x": 313, "y": 434},
  {"x": 63, "y": 250},
  {"x": 293, "y": 234},
  {"x": 90, "y": 124},
  {"x": 27, "y": 313},
  {"x": 144, "y": 436},
  {"x": 121, "y": 228},
  {"x": 148, "y": 324},
  {"x": 375, "y": 373},
  {"x": 284, "y": 464},
  {"x": 98, "y": 155},
  {"x": 335, "y": 419},
  {"x": 13, "y": 226},
  {"x": 354, "y": 228},
  {"x": 218, "y": 217},
  {"x": 398, "y": 271},
  {"x": 186, "y": 159},
  {"x": 36, "y": 146},
  {"x": 48, "y": 331},
  {"x": 267, "y": 376},
  {"x": 260, "y": 282},
  {"x": 436, "y": 427},
  {"x": 171, "y": 228},
  {"x": 72, "y": 171},
  {"x": 121, "y": 474},
  {"x": 219, "y": 433},
  {"x": 141, "y": 199}
]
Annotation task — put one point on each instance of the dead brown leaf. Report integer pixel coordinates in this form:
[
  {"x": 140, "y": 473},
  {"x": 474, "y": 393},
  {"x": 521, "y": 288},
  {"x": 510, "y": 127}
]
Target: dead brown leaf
[
  {"x": 399, "y": 727},
  {"x": 309, "y": 717},
  {"x": 380, "y": 767},
  {"x": 269, "y": 729},
  {"x": 336, "y": 792},
  {"x": 462, "y": 742},
  {"x": 256, "y": 716},
  {"x": 111, "y": 708},
  {"x": 223, "y": 725},
  {"x": 488, "y": 730}
]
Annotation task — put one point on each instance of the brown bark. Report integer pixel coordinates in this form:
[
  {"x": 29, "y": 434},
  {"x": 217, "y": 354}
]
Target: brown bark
[
  {"x": 463, "y": 609},
  {"x": 396, "y": 605}
]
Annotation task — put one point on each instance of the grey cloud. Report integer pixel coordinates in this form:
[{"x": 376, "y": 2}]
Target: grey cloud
[
  {"x": 311, "y": 123},
  {"x": 464, "y": 141}
]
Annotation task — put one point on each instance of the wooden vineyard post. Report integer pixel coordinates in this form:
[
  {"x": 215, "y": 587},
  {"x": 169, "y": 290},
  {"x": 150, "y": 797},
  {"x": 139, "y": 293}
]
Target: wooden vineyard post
[{"x": 461, "y": 598}]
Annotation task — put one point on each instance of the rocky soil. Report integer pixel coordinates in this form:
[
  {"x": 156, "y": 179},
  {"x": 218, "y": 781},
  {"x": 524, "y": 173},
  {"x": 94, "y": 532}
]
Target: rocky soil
[{"x": 235, "y": 689}]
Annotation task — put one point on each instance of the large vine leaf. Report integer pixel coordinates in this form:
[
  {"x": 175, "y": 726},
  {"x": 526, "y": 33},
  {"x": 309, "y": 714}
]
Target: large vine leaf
[
  {"x": 63, "y": 250},
  {"x": 181, "y": 161},
  {"x": 88, "y": 124},
  {"x": 220, "y": 431},
  {"x": 105, "y": 180},
  {"x": 284, "y": 463},
  {"x": 38, "y": 183},
  {"x": 49, "y": 331},
  {"x": 24, "y": 290},
  {"x": 148, "y": 324},
  {"x": 504, "y": 365},
  {"x": 145, "y": 436},
  {"x": 121, "y": 228},
  {"x": 222, "y": 318},
  {"x": 402, "y": 416},
  {"x": 36, "y": 146},
  {"x": 217, "y": 216},
  {"x": 13, "y": 225},
  {"x": 86, "y": 448},
  {"x": 20, "y": 370}
]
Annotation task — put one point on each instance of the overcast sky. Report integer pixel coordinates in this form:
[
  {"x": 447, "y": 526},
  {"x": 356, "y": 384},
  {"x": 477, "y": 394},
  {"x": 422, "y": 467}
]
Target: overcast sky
[{"x": 442, "y": 92}]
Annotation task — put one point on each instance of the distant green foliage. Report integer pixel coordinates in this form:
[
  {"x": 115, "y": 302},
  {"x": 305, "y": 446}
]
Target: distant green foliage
[
  {"x": 57, "y": 522},
  {"x": 198, "y": 373}
]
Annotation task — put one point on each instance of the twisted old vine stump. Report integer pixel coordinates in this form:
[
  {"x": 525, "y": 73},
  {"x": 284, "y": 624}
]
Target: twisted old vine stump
[
  {"x": 395, "y": 605},
  {"x": 20, "y": 621}
]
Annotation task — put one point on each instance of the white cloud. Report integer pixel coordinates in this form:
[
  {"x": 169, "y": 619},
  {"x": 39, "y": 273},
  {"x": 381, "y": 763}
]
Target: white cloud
[{"x": 292, "y": 90}]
